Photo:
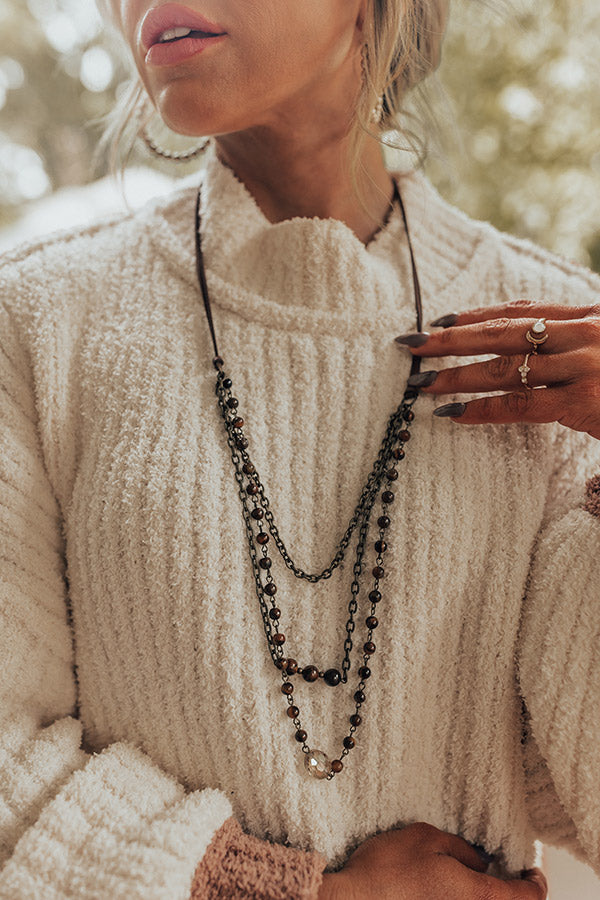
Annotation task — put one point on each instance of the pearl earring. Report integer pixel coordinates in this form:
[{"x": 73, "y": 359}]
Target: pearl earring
[
  {"x": 172, "y": 155},
  {"x": 377, "y": 111}
]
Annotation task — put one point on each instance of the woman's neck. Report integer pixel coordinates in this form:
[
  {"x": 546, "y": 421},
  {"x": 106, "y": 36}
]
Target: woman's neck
[{"x": 296, "y": 176}]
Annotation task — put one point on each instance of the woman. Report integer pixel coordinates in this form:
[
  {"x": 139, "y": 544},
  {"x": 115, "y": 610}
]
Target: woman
[{"x": 145, "y": 752}]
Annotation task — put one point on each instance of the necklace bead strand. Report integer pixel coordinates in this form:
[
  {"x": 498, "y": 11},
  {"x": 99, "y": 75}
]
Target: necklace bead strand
[
  {"x": 316, "y": 762},
  {"x": 258, "y": 514}
]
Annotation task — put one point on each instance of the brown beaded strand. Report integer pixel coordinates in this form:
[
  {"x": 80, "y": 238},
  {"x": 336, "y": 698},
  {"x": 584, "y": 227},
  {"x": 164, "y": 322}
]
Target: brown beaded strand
[
  {"x": 256, "y": 511},
  {"x": 289, "y": 666}
]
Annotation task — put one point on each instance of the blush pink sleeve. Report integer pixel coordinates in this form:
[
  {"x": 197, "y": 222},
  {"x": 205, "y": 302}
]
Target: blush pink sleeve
[
  {"x": 238, "y": 866},
  {"x": 592, "y": 492}
]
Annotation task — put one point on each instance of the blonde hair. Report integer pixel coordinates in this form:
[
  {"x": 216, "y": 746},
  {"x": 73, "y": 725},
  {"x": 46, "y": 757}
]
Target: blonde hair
[{"x": 403, "y": 40}]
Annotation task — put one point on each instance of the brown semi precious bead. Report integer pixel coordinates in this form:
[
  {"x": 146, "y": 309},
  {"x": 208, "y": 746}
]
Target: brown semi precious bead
[
  {"x": 392, "y": 474},
  {"x": 404, "y": 435},
  {"x": 262, "y": 537},
  {"x": 270, "y": 588},
  {"x": 387, "y": 497},
  {"x": 232, "y": 402},
  {"x": 369, "y": 647},
  {"x": 337, "y": 765},
  {"x": 257, "y": 513},
  {"x": 375, "y": 596},
  {"x": 291, "y": 667},
  {"x": 371, "y": 622},
  {"x": 248, "y": 468},
  {"x": 332, "y": 677},
  {"x": 378, "y": 571},
  {"x": 359, "y": 697},
  {"x": 281, "y": 663},
  {"x": 279, "y": 639},
  {"x": 293, "y": 712},
  {"x": 301, "y": 735},
  {"x": 383, "y": 521},
  {"x": 398, "y": 453},
  {"x": 364, "y": 672},
  {"x": 252, "y": 489},
  {"x": 310, "y": 673},
  {"x": 380, "y": 546},
  {"x": 349, "y": 742},
  {"x": 241, "y": 442},
  {"x": 287, "y": 687},
  {"x": 408, "y": 415},
  {"x": 265, "y": 562},
  {"x": 238, "y": 422},
  {"x": 227, "y": 383},
  {"x": 355, "y": 720},
  {"x": 275, "y": 613}
]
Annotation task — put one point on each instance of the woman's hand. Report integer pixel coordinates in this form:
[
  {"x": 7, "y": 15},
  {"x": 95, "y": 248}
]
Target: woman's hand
[
  {"x": 420, "y": 862},
  {"x": 566, "y": 367}
]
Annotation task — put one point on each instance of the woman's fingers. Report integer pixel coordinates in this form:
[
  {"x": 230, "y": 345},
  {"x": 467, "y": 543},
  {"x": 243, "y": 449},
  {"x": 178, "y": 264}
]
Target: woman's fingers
[
  {"x": 461, "y": 882},
  {"x": 502, "y": 373},
  {"x": 566, "y": 405},
  {"x": 459, "y": 849},
  {"x": 504, "y": 336},
  {"x": 540, "y": 406},
  {"x": 519, "y": 309}
]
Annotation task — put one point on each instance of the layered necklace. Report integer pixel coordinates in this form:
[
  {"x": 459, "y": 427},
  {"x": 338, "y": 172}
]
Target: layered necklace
[{"x": 262, "y": 531}]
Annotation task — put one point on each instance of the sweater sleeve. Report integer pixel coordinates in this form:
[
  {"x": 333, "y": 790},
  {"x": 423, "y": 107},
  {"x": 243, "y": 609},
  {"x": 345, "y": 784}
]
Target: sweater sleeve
[
  {"x": 558, "y": 656},
  {"x": 74, "y": 824}
]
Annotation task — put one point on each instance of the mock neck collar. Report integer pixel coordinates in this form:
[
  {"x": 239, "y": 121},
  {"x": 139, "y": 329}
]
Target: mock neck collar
[{"x": 314, "y": 272}]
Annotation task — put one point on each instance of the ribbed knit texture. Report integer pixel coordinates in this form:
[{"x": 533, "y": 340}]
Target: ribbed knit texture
[{"x": 119, "y": 509}]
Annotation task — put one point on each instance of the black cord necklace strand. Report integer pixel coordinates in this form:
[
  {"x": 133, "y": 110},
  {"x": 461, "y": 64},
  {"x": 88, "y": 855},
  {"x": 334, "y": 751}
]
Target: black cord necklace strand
[{"x": 256, "y": 511}]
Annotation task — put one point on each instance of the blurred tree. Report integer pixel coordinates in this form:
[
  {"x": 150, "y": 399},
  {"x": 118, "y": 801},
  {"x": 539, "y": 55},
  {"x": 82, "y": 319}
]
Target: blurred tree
[
  {"x": 524, "y": 89},
  {"x": 521, "y": 86},
  {"x": 49, "y": 87}
]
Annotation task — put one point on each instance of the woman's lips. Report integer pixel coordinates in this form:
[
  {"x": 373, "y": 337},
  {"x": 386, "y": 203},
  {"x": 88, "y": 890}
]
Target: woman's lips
[
  {"x": 171, "y": 52},
  {"x": 173, "y": 15}
]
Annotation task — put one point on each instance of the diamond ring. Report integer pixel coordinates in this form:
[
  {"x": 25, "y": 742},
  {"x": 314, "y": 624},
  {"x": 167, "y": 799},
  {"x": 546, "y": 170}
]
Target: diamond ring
[{"x": 525, "y": 369}]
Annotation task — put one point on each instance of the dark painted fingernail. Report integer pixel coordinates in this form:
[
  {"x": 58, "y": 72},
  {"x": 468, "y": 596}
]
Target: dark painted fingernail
[
  {"x": 422, "y": 379},
  {"x": 445, "y": 321},
  {"x": 414, "y": 340},
  {"x": 486, "y": 857},
  {"x": 450, "y": 409}
]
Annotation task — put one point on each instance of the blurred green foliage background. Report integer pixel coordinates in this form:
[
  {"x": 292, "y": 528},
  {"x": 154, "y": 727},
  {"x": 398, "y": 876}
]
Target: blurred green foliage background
[{"x": 516, "y": 98}]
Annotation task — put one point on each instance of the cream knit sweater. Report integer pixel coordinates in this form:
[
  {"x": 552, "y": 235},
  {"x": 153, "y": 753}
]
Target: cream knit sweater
[{"x": 124, "y": 559}]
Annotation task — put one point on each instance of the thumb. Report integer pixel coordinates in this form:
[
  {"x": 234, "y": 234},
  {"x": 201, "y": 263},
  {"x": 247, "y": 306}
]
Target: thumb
[{"x": 536, "y": 878}]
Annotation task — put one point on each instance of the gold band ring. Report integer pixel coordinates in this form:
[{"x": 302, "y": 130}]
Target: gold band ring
[{"x": 537, "y": 334}]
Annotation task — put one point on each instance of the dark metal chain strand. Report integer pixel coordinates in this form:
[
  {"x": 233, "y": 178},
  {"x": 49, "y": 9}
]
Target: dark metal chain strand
[
  {"x": 365, "y": 504},
  {"x": 392, "y": 445},
  {"x": 362, "y": 514},
  {"x": 239, "y": 476}
]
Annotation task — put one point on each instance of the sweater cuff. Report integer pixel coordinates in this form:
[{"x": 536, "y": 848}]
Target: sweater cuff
[
  {"x": 238, "y": 866},
  {"x": 592, "y": 491}
]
